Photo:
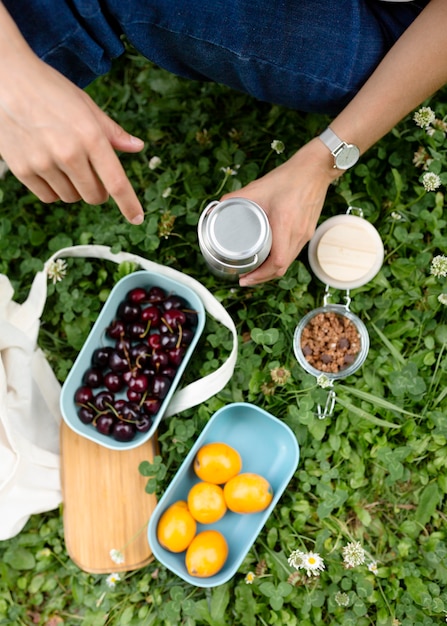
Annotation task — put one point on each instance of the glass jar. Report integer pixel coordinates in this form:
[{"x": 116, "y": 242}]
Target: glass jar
[{"x": 348, "y": 318}]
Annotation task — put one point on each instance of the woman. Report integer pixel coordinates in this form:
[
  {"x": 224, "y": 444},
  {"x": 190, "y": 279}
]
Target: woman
[{"x": 366, "y": 62}]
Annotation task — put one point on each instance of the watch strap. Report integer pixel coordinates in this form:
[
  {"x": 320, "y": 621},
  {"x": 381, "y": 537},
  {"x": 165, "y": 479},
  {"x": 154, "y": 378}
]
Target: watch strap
[{"x": 331, "y": 140}]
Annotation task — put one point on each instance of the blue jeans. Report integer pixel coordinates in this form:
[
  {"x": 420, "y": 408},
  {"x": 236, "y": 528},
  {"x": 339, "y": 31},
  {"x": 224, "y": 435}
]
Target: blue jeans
[{"x": 309, "y": 55}]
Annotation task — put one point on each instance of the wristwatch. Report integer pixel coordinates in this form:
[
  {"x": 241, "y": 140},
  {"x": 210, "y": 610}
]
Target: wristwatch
[{"x": 345, "y": 154}]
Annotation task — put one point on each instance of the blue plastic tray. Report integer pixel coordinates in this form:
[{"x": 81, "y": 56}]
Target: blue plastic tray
[
  {"x": 97, "y": 337},
  {"x": 268, "y": 447}
]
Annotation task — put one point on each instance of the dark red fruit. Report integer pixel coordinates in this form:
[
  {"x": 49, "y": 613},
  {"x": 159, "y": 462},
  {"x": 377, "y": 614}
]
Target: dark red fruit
[
  {"x": 139, "y": 383},
  {"x": 116, "y": 329},
  {"x": 83, "y": 395},
  {"x": 160, "y": 386},
  {"x": 104, "y": 400},
  {"x": 123, "y": 431},
  {"x": 113, "y": 381},
  {"x": 137, "y": 295},
  {"x": 100, "y": 356},
  {"x": 144, "y": 424},
  {"x": 118, "y": 362},
  {"x": 105, "y": 423},
  {"x": 152, "y": 316},
  {"x": 174, "y": 302},
  {"x": 156, "y": 294},
  {"x": 136, "y": 330},
  {"x": 176, "y": 355},
  {"x": 159, "y": 359},
  {"x": 86, "y": 415},
  {"x": 92, "y": 377},
  {"x": 128, "y": 311},
  {"x": 154, "y": 341},
  {"x": 151, "y": 405}
]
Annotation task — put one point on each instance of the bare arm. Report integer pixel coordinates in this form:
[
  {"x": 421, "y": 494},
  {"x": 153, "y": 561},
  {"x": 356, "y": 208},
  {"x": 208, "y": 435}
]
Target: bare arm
[
  {"x": 54, "y": 138},
  {"x": 293, "y": 194}
]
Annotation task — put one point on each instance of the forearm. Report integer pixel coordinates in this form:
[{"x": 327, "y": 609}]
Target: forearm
[{"x": 414, "y": 69}]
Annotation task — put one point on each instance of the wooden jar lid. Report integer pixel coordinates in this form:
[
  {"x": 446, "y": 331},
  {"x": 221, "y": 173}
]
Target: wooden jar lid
[{"x": 346, "y": 251}]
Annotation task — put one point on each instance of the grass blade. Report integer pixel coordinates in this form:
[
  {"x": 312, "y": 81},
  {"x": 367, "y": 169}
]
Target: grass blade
[
  {"x": 381, "y": 402},
  {"x": 365, "y": 415}
]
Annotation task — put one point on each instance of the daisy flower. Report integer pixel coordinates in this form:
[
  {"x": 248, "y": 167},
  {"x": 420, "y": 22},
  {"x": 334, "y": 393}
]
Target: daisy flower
[
  {"x": 112, "y": 579},
  {"x": 309, "y": 561},
  {"x": 249, "y": 578}
]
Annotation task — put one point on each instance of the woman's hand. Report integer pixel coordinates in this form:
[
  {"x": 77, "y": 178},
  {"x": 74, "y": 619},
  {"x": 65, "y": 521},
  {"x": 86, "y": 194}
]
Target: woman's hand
[
  {"x": 58, "y": 142},
  {"x": 292, "y": 195}
]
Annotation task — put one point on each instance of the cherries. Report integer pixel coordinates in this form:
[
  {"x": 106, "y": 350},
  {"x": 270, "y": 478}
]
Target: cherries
[{"x": 123, "y": 389}]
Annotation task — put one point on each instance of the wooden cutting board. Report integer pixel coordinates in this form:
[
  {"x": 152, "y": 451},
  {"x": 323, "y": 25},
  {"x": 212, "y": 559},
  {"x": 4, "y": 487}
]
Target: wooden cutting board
[{"x": 105, "y": 505}]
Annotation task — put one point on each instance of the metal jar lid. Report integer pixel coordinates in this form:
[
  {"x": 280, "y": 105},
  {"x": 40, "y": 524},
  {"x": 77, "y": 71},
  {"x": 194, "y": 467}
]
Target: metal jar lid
[
  {"x": 346, "y": 252},
  {"x": 234, "y": 236}
]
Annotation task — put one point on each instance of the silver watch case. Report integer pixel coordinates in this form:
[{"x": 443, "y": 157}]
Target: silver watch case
[{"x": 345, "y": 154}]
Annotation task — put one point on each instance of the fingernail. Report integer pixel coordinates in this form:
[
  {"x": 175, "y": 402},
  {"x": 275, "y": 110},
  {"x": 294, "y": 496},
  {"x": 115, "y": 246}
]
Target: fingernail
[
  {"x": 137, "y": 220},
  {"x": 136, "y": 141},
  {"x": 244, "y": 282}
]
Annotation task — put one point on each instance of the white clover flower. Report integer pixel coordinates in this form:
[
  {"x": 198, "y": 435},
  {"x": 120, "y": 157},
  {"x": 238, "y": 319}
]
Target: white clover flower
[
  {"x": 424, "y": 117},
  {"x": 278, "y": 146},
  {"x": 167, "y": 192},
  {"x": 228, "y": 171},
  {"x": 249, "y": 578},
  {"x": 324, "y": 382},
  {"x": 117, "y": 556},
  {"x": 310, "y": 561},
  {"x": 341, "y": 598},
  {"x": 57, "y": 270},
  {"x": 442, "y": 298},
  {"x": 431, "y": 181},
  {"x": 353, "y": 554},
  {"x": 112, "y": 579},
  {"x": 373, "y": 568},
  {"x": 396, "y": 216},
  {"x": 154, "y": 162},
  {"x": 439, "y": 266}
]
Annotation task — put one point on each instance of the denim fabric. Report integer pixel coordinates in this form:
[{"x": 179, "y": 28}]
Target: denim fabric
[{"x": 310, "y": 55}]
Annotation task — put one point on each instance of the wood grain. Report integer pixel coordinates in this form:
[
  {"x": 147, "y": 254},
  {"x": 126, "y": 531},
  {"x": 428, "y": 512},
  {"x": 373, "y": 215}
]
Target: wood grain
[
  {"x": 105, "y": 505},
  {"x": 347, "y": 252}
]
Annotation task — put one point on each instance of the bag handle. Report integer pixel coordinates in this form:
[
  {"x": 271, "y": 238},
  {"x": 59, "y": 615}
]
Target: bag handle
[{"x": 197, "y": 391}]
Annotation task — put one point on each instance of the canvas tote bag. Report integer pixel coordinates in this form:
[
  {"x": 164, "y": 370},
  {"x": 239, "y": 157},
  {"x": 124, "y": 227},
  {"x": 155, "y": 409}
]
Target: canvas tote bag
[{"x": 29, "y": 391}]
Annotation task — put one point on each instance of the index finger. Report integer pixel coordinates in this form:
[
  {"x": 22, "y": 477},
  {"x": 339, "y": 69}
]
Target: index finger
[{"x": 109, "y": 169}]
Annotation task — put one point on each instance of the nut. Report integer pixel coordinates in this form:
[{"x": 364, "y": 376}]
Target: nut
[{"x": 330, "y": 342}]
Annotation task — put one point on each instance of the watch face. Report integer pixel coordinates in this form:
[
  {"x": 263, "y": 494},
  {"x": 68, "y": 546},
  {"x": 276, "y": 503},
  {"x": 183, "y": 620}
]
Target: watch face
[{"x": 347, "y": 157}]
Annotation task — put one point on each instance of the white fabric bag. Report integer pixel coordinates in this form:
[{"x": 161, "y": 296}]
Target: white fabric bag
[{"x": 29, "y": 391}]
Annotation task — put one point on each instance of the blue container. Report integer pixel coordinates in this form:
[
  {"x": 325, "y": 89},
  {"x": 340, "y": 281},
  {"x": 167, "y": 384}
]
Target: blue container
[
  {"x": 97, "y": 338},
  {"x": 267, "y": 447}
]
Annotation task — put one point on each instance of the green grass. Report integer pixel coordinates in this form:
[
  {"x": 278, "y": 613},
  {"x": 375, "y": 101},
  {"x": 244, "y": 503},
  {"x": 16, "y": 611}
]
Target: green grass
[{"x": 374, "y": 472}]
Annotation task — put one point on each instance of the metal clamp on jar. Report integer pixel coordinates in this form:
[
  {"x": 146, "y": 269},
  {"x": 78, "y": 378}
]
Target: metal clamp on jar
[
  {"x": 234, "y": 236},
  {"x": 331, "y": 342}
]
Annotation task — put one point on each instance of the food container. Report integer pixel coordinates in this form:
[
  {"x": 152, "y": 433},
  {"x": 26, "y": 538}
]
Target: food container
[
  {"x": 234, "y": 236},
  {"x": 331, "y": 342},
  {"x": 336, "y": 361},
  {"x": 99, "y": 338},
  {"x": 267, "y": 447}
]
